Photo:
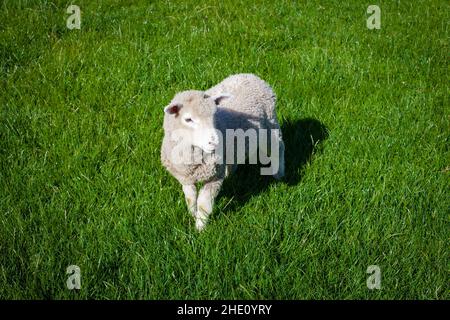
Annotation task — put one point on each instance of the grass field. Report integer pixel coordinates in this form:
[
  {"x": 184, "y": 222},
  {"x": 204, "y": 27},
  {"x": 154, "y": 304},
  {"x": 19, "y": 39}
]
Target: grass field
[{"x": 365, "y": 117}]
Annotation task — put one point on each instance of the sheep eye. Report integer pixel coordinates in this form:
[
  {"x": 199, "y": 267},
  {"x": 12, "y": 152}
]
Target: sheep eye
[{"x": 188, "y": 120}]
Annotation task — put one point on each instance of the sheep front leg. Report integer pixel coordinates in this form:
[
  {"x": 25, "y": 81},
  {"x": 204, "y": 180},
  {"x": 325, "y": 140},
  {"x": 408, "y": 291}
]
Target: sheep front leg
[
  {"x": 190, "y": 194},
  {"x": 205, "y": 202}
]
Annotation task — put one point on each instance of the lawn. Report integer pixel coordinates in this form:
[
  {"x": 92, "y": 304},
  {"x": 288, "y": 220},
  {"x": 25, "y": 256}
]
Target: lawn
[{"x": 364, "y": 114}]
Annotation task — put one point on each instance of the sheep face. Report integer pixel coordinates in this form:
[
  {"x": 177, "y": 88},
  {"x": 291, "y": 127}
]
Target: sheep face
[{"x": 193, "y": 111}]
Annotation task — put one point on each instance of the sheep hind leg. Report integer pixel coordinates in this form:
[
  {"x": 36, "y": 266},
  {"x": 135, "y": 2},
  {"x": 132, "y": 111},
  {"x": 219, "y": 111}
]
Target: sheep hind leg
[
  {"x": 190, "y": 194},
  {"x": 205, "y": 202}
]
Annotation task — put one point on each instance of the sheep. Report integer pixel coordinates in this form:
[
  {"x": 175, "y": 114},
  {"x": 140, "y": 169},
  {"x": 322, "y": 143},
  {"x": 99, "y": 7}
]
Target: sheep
[{"x": 195, "y": 126}]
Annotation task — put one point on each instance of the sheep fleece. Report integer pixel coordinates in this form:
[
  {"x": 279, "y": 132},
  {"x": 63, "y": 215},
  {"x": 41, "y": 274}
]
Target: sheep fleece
[{"x": 252, "y": 105}]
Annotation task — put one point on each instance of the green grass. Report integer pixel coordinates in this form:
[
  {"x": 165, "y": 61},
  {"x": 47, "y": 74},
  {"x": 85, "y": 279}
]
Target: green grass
[{"x": 365, "y": 115}]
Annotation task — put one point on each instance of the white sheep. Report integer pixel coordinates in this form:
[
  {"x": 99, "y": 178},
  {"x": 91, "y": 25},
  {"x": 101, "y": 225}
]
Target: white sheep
[{"x": 196, "y": 125}]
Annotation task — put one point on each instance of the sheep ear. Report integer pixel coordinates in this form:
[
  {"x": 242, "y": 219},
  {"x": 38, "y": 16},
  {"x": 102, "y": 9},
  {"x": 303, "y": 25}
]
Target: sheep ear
[
  {"x": 172, "y": 108},
  {"x": 218, "y": 98}
]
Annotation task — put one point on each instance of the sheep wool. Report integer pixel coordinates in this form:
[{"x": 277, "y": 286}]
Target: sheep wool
[{"x": 241, "y": 101}]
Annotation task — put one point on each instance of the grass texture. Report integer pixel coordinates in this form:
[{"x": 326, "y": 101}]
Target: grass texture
[{"x": 364, "y": 114}]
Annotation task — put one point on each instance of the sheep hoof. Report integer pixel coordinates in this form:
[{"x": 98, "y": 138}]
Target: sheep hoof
[{"x": 200, "y": 224}]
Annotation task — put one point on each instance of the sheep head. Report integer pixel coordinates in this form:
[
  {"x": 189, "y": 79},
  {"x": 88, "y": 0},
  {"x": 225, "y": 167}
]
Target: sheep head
[{"x": 193, "y": 111}]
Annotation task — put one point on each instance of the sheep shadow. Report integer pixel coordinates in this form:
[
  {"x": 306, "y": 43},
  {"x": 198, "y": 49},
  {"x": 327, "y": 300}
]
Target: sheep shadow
[{"x": 302, "y": 139}]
